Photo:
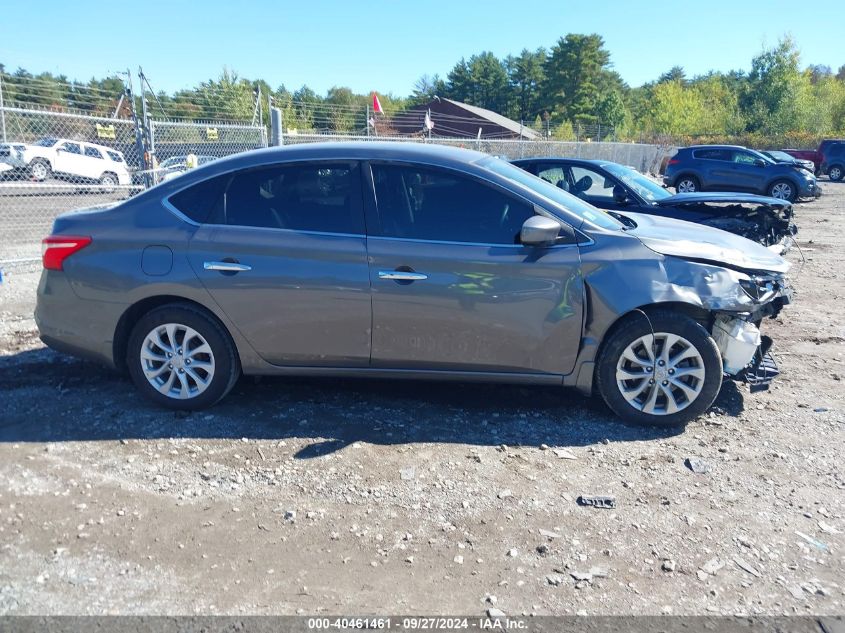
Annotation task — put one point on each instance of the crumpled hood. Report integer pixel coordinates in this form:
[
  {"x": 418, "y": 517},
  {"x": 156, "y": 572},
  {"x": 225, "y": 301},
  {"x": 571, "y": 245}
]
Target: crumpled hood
[
  {"x": 703, "y": 243},
  {"x": 722, "y": 197}
]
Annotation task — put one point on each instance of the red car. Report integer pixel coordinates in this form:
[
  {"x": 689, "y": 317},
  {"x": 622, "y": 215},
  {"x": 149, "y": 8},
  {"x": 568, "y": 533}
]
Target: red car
[{"x": 814, "y": 155}]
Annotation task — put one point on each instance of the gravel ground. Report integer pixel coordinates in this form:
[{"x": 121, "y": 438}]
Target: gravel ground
[{"x": 377, "y": 497}]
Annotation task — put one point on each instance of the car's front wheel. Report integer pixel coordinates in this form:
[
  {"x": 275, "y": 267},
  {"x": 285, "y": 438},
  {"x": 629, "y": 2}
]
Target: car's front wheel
[
  {"x": 836, "y": 173},
  {"x": 687, "y": 184},
  {"x": 661, "y": 369},
  {"x": 783, "y": 190},
  {"x": 181, "y": 358},
  {"x": 39, "y": 169}
]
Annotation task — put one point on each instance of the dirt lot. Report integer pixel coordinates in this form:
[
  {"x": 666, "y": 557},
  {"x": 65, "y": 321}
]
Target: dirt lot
[{"x": 371, "y": 497}]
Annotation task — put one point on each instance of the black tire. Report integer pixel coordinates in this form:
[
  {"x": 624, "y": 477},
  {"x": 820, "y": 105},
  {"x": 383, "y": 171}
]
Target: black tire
[
  {"x": 227, "y": 366},
  {"x": 772, "y": 190},
  {"x": 40, "y": 170},
  {"x": 626, "y": 334},
  {"x": 836, "y": 172},
  {"x": 687, "y": 184}
]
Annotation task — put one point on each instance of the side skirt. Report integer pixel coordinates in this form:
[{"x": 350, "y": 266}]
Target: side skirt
[{"x": 412, "y": 374}]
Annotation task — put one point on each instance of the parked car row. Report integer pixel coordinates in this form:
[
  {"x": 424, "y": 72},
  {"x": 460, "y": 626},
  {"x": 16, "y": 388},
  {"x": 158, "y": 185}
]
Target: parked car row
[
  {"x": 402, "y": 260},
  {"x": 736, "y": 168},
  {"x": 828, "y": 158}
]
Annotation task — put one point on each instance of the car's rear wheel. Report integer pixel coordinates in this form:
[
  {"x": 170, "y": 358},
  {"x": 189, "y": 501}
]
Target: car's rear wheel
[
  {"x": 687, "y": 184},
  {"x": 108, "y": 181},
  {"x": 39, "y": 169},
  {"x": 181, "y": 358},
  {"x": 664, "y": 369},
  {"x": 783, "y": 190},
  {"x": 836, "y": 173}
]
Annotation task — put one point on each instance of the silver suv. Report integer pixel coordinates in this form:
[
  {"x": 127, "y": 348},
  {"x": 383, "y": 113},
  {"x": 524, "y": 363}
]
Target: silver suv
[{"x": 405, "y": 261}]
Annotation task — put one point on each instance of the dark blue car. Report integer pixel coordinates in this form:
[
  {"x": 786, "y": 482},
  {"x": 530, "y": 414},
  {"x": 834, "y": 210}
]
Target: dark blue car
[
  {"x": 617, "y": 188},
  {"x": 735, "y": 168}
]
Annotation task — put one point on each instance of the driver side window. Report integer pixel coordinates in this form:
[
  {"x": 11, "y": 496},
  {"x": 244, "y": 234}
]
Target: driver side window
[
  {"x": 589, "y": 184},
  {"x": 427, "y": 204},
  {"x": 71, "y": 148},
  {"x": 743, "y": 158}
]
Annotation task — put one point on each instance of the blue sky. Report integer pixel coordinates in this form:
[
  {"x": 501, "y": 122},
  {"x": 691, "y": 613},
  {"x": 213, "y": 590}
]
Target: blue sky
[{"x": 386, "y": 46}]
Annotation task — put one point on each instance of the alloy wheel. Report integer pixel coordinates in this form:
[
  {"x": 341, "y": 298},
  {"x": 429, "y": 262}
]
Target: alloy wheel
[
  {"x": 686, "y": 186},
  {"x": 39, "y": 171},
  {"x": 660, "y": 374},
  {"x": 177, "y": 361},
  {"x": 782, "y": 191}
]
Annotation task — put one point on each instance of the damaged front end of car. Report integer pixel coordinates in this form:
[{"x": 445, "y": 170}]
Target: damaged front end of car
[
  {"x": 767, "y": 221},
  {"x": 738, "y": 298},
  {"x": 746, "y": 352}
]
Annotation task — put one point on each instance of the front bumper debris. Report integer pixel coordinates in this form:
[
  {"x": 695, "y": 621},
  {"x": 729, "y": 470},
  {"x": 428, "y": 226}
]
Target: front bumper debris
[{"x": 762, "y": 370}]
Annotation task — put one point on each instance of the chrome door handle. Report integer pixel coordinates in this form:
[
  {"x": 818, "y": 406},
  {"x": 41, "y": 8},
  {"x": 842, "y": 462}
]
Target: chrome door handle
[
  {"x": 229, "y": 267},
  {"x": 401, "y": 275}
]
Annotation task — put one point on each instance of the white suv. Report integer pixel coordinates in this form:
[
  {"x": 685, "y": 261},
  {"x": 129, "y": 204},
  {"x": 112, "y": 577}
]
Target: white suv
[{"x": 71, "y": 160}]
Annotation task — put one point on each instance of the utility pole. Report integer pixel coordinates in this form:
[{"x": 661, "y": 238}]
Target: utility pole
[
  {"x": 139, "y": 134},
  {"x": 148, "y": 139}
]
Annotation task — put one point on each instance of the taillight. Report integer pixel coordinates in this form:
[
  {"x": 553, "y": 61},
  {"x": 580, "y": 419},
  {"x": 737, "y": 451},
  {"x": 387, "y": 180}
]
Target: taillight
[
  {"x": 57, "y": 248},
  {"x": 673, "y": 161}
]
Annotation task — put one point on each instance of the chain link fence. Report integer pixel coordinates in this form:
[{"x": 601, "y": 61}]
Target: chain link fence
[
  {"x": 54, "y": 162},
  {"x": 644, "y": 158}
]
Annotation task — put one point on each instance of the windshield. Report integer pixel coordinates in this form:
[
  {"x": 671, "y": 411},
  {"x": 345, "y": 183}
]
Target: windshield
[
  {"x": 173, "y": 162},
  {"x": 554, "y": 194},
  {"x": 781, "y": 156},
  {"x": 762, "y": 156},
  {"x": 47, "y": 142},
  {"x": 643, "y": 186}
]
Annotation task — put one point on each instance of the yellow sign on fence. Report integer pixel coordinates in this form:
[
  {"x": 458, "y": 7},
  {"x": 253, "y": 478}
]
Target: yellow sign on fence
[
  {"x": 211, "y": 134},
  {"x": 105, "y": 131}
]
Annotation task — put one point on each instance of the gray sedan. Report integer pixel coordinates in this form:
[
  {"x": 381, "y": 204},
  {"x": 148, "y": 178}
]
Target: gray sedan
[{"x": 405, "y": 261}]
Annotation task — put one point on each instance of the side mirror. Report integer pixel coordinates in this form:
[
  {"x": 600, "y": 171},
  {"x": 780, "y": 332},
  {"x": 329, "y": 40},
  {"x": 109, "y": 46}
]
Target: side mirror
[
  {"x": 60, "y": 149},
  {"x": 539, "y": 230},
  {"x": 759, "y": 162}
]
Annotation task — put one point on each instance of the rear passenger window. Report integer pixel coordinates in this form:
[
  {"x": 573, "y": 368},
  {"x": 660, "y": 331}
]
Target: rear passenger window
[
  {"x": 712, "y": 154},
  {"x": 115, "y": 156},
  {"x": 321, "y": 197},
  {"x": 197, "y": 202},
  {"x": 93, "y": 152},
  {"x": 425, "y": 204}
]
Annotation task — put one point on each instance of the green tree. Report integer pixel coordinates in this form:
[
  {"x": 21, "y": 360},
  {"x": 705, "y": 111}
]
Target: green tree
[
  {"x": 526, "y": 76},
  {"x": 674, "y": 109},
  {"x": 774, "y": 90},
  {"x": 610, "y": 110},
  {"x": 481, "y": 81},
  {"x": 426, "y": 88},
  {"x": 574, "y": 70},
  {"x": 676, "y": 73},
  {"x": 228, "y": 97}
]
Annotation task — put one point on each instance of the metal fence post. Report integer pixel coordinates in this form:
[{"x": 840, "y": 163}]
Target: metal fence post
[
  {"x": 276, "y": 134},
  {"x": 2, "y": 111}
]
